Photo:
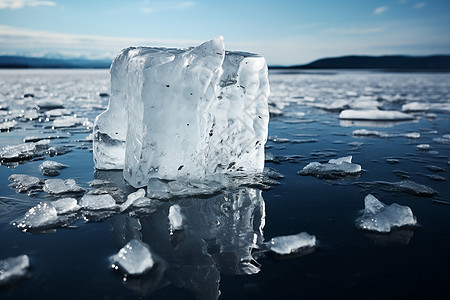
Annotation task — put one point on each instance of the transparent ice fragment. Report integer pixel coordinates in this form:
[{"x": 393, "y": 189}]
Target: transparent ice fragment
[
  {"x": 175, "y": 218},
  {"x": 59, "y": 186},
  {"x": 66, "y": 205},
  {"x": 414, "y": 188},
  {"x": 51, "y": 168},
  {"x": 24, "y": 183},
  {"x": 191, "y": 113},
  {"x": 13, "y": 268},
  {"x": 291, "y": 244},
  {"x": 18, "y": 152},
  {"x": 47, "y": 104},
  {"x": 134, "y": 258},
  {"x": 132, "y": 198},
  {"x": 42, "y": 215},
  {"x": 379, "y": 217},
  {"x": 97, "y": 202},
  {"x": 334, "y": 168}
]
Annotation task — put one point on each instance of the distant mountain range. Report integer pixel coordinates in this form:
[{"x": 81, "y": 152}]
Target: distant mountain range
[
  {"x": 393, "y": 62},
  {"x": 23, "y": 62},
  {"x": 388, "y": 62}
]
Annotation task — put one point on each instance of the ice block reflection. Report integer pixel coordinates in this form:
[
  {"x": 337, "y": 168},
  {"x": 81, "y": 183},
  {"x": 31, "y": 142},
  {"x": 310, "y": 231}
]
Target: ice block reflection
[{"x": 220, "y": 235}]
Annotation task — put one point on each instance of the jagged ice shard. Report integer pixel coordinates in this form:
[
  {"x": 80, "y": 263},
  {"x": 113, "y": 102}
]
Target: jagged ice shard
[{"x": 189, "y": 113}]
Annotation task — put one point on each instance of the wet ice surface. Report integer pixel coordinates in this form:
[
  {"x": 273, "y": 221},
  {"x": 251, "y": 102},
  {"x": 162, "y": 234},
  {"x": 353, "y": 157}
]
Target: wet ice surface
[
  {"x": 134, "y": 258},
  {"x": 291, "y": 244},
  {"x": 13, "y": 268},
  {"x": 380, "y": 217},
  {"x": 224, "y": 231}
]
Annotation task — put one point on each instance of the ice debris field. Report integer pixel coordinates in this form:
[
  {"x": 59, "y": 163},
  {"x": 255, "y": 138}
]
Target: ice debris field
[{"x": 152, "y": 179}]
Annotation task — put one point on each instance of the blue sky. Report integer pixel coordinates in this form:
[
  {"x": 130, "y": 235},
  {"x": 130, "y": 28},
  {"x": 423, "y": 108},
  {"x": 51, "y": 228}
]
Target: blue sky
[{"x": 285, "y": 32}]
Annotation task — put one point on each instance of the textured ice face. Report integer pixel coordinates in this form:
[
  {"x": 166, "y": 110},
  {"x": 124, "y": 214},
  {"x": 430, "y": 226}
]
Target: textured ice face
[
  {"x": 134, "y": 258},
  {"x": 39, "y": 216},
  {"x": 184, "y": 112},
  {"x": 290, "y": 244},
  {"x": 334, "y": 168},
  {"x": 379, "y": 217}
]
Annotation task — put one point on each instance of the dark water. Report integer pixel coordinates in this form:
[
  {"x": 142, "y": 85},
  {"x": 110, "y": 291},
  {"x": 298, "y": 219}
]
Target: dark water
[{"x": 72, "y": 262}]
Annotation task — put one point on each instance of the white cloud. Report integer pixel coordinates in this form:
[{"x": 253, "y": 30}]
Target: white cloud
[
  {"x": 158, "y": 6},
  {"x": 380, "y": 10},
  {"x": 420, "y": 5},
  {"x": 36, "y": 42},
  {"x": 16, "y": 4},
  {"x": 354, "y": 30}
]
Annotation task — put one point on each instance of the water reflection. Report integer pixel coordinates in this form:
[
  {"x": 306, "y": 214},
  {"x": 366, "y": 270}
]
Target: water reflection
[{"x": 221, "y": 235}]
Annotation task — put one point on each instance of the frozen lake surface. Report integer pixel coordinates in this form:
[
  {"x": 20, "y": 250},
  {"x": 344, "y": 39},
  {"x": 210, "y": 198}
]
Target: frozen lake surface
[{"x": 214, "y": 242}]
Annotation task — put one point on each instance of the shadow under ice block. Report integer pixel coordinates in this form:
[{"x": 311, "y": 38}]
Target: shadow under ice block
[{"x": 188, "y": 113}]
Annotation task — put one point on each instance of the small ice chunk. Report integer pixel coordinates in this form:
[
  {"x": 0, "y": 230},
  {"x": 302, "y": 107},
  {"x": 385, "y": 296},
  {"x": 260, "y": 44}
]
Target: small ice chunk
[
  {"x": 436, "y": 177},
  {"x": 415, "y": 107},
  {"x": 134, "y": 258},
  {"x": 291, "y": 244},
  {"x": 47, "y": 104},
  {"x": 7, "y": 125},
  {"x": 272, "y": 173},
  {"x": 392, "y": 161},
  {"x": 41, "y": 215},
  {"x": 334, "y": 168},
  {"x": 57, "y": 112},
  {"x": 30, "y": 114},
  {"x": 67, "y": 121},
  {"x": 51, "y": 168},
  {"x": 434, "y": 168},
  {"x": 13, "y": 268},
  {"x": 59, "y": 186},
  {"x": 414, "y": 188},
  {"x": 412, "y": 135},
  {"x": 18, "y": 152},
  {"x": 24, "y": 183},
  {"x": 374, "y": 115},
  {"x": 132, "y": 198},
  {"x": 379, "y": 217},
  {"x": 66, "y": 205},
  {"x": 175, "y": 218},
  {"x": 423, "y": 147},
  {"x": 445, "y": 139},
  {"x": 98, "y": 202}
]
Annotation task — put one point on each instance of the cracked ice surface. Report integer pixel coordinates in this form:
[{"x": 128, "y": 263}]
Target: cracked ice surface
[
  {"x": 13, "y": 268},
  {"x": 190, "y": 112},
  {"x": 379, "y": 217}
]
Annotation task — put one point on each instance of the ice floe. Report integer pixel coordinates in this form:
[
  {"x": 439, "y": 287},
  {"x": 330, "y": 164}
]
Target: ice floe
[
  {"x": 66, "y": 205},
  {"x": 59, "y": 186},
  {"x": 24, "y": 183},
  {"x": 51, "y": 168},
  {"x": 175, "y": 218},
  {"x": 13, "y": 268},
  {"x": 375, "y": 133},
  {"x": 40, "y": 216},
  {"x": 334, "y": 168},
  {"x": 291, "y": 244},
  {"x": 98, "y": 202},
  {"x": 134, "y": 258},
  {"x": 374, "y": 115},
  {"x": 380, "y": 217}
]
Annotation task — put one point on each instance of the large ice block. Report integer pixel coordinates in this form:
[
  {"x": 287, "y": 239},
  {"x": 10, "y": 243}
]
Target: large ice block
[{"x": 184, "y": 112}]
